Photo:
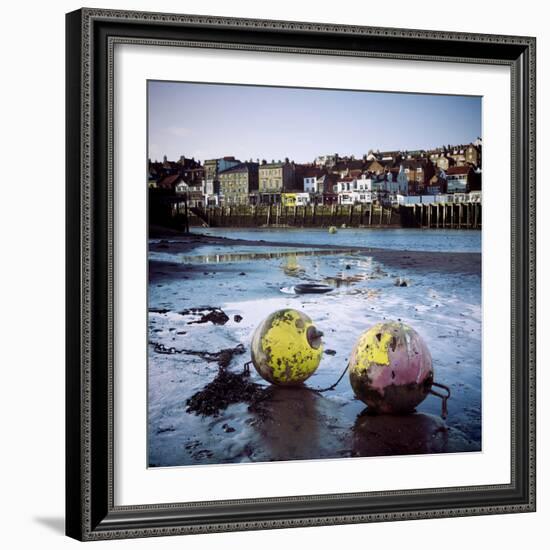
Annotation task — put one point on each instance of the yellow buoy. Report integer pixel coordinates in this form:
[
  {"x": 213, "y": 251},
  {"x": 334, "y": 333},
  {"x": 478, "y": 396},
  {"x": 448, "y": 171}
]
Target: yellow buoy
[{"x": 286, "y": 347}]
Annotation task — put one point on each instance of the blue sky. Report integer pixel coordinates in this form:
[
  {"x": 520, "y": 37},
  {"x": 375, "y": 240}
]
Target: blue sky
[{"x": 213, "y": 120}]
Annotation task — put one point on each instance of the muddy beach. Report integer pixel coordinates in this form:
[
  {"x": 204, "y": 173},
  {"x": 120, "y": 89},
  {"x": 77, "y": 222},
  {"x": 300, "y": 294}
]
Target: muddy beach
[{"x": 207, "y": 294}]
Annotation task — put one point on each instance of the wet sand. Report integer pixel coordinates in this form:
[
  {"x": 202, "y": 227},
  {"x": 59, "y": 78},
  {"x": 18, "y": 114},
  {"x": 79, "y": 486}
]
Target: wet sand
[
  {"x": 251, "y": 421},
  {"x": 456, "y": 262}
]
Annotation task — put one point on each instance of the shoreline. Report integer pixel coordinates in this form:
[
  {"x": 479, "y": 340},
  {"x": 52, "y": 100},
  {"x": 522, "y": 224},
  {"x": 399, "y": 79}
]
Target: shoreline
[{"x": 436, "y": 261}]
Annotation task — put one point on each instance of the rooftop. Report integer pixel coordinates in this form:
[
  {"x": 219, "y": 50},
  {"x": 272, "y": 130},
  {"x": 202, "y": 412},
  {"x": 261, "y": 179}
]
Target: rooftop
[
  {"x": 457, "y": 170},
  {"x": 243, "y": 167}
]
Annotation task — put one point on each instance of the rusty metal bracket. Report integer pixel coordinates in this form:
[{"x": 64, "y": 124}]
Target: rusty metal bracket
[{"x": 443, "y": 397}]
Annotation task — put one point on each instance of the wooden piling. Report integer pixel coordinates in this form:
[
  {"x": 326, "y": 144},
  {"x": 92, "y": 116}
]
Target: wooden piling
[
  {"x": 434, "y": 215},
  {"x": 186, "y": 216}
]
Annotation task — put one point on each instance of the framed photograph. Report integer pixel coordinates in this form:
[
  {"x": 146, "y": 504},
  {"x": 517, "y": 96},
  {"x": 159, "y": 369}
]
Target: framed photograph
[{"x": 300, "y": 274}]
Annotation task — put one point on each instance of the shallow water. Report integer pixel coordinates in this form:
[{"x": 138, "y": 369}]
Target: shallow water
[
  {"x": 248, "y": 285},
  {"x": 440, "y": 240}
]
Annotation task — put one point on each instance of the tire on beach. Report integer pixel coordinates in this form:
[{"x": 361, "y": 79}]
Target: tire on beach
[
  {"x": 286, "y": 348},
  {"x": 312, "y": 288}
]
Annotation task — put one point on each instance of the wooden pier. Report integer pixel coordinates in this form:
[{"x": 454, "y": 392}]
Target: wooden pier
[
  {"x": 173, "y": 210},
  {"x": 444, "y": 215},
  {"x": 313, "y": 215}
]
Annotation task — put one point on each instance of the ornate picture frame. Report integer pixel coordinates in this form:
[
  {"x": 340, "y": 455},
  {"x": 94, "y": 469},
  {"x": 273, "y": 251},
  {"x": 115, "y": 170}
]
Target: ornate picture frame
[{"x": 90, "y": 506}]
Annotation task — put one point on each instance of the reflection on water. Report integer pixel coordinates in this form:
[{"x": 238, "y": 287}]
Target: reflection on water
[
  {"x": 386, "y": 434},
  {"x": 250, "y": 256},
  {"x": 291, "y": 267},
  {"x": 290, "y": 422},
  {"x": 293, "y": 424}
]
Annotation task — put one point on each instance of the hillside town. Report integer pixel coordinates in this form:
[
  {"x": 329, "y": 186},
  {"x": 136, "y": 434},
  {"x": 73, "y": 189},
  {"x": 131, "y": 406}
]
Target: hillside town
[{"x": 450, "y": 173}]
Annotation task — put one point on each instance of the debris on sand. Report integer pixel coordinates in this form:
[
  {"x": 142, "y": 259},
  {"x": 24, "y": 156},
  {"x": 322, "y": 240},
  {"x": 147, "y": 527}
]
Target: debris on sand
[
  {"x": 330, "y": 351},
  {"x": 224, "y": 356},
  {"x": 164, "y": 430},
  {"x": 207, "y": 313},
  {"x": 237, "y": 318},
  {"x": 227, "y": 388},
  {"x": 343, "y": 280},
  {"x": 401, "y": 282},
  {"x": 378, "y": 272}
]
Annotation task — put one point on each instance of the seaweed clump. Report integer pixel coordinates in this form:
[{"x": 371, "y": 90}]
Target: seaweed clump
[{"x": 226, "y": 389}]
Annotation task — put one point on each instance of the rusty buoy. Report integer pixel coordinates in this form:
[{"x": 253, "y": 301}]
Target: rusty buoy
[
  {"x": 286, "y": 347},
  {"x": 391, "y": 369}
]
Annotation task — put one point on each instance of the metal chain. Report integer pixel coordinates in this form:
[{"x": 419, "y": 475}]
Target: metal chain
[
  {"x": 329, "y": 388},
  {"x": 161, "y": 348}
]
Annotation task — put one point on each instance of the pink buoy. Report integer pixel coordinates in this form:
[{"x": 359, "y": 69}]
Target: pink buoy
[{"x": 391, "y": 369}]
